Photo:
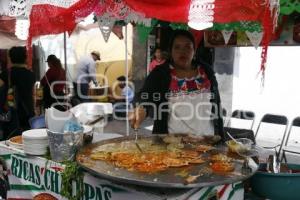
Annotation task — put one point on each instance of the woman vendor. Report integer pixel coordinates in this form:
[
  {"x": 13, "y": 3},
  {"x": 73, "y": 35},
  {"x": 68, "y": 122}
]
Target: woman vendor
[{"x": 182, "y": 92}]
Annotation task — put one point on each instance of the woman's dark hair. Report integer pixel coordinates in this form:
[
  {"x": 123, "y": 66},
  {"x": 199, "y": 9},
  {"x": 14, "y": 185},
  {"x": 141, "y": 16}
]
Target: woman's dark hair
[
  {"x": 54, "y": 60},
  {"x": 51, "y": 58},
  {"x": 183, "y": 33},
  {"x": 18, "y": 55}
]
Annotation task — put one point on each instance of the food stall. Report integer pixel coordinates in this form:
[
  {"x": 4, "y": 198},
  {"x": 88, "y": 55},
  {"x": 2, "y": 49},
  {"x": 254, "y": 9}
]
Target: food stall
[
  {"x": 38, "y": 177},
  {"x": 31, "y": 177},
  {"x": 112, "y": 167}
]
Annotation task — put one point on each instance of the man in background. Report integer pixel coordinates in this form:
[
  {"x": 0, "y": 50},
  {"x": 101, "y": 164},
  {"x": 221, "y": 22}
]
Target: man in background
[{"x": 85, "y": 74}]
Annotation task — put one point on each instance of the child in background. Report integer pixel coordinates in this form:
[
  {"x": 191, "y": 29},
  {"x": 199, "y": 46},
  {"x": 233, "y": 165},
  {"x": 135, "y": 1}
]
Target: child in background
[{"x": 158, "y": 59}]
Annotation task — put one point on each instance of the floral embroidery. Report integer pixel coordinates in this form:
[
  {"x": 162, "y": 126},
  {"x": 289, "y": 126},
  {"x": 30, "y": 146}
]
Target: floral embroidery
[{"x": 189, "y": 86}]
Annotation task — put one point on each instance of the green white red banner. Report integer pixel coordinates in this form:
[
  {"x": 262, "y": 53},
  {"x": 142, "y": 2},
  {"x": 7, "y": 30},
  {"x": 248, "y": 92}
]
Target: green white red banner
[{"x": 30, "y": 177}]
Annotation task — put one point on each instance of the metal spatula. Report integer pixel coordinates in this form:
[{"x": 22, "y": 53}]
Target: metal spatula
[{"x": 136, "y": 130}]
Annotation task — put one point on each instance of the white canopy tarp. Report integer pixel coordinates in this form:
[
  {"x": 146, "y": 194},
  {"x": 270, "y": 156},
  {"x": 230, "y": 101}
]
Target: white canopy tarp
[{"x": 9, "y": 40}]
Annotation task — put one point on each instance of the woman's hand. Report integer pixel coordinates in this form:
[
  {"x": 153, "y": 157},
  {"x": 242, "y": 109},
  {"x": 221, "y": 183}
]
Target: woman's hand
[{"x": 137, "y": 116}]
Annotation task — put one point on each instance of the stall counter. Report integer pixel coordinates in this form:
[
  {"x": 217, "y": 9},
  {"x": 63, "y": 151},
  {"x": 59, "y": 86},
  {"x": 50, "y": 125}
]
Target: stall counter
[{"x": 30, "y": 177}]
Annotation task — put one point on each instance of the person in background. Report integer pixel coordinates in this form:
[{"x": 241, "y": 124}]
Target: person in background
[
  {"x": 158, "y": 59},
  {"x": 126, "y": 92},
  {"x": 8, "y": 117},
  {"x": 3, "y": 85},
  {"x": 183, "y": 93},
  {"x": 86, "y": 73},
  {"x": 4, "y": 183},
  {"x": 53, "y": 83},
  {"x": 22, "y": 80},
  {"x": 3, "y": 95},
  {"x": 120, "y": 100}
]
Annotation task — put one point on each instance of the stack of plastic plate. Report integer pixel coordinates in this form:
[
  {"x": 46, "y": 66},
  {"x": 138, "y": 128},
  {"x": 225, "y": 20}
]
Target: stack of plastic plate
[{"x": 35, "y": 141}]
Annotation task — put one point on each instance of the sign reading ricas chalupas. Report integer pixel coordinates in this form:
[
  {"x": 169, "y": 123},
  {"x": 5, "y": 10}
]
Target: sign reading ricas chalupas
[{"x": 31, "y": 177}]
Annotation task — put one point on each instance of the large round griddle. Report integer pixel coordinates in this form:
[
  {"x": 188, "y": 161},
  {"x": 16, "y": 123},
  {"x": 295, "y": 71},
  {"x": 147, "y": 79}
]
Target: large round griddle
[{"x": 170, "y": 178}]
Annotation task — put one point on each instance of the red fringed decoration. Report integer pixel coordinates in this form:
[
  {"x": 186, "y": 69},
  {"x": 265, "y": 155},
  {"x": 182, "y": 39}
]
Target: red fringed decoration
[
  {"x": 46, "y": 19},
  {"x": 268, "y": 23},
  {"x": 42, "y": 22},
  {"x": 227, "y": 11},
  {"x": 268, "y": 29},
  {"x": 166, "y": 10}
]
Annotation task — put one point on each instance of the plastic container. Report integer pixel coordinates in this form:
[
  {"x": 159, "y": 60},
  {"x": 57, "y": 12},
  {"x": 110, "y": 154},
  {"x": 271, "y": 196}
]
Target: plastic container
[
  {"x": 63, "y": 146},
  {"x": 242, "y": 144},
  {"x": 277, "y": 186}
]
